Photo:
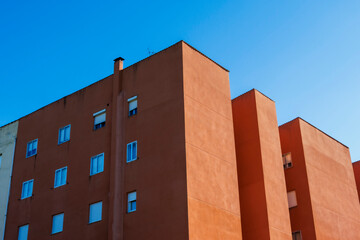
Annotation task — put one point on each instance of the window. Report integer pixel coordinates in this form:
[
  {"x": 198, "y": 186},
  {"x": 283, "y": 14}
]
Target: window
[
  {"x": 132, "y": 202},
  {"x": 131, "y": 152},
  {"x": 57, "y": 223},
  {"x": 132, "y": 105},
  {"x": 292, "y": 199},
  {"x": 60, "y": 177},
  {"x": 27, "y": 189},
  {"x": 0, "y": 159},
  {"x": 287, "y": 162},
  {"x": 64, "y": 134},
  {"x": 31, "y": 148},
  {"x": 95, "y": 212},
  {"x": 296, "y": 235},
  {"x": 23, "y": 232},
  {"x": 99, "y": 119},
  {"x": 97, "y": 164}
]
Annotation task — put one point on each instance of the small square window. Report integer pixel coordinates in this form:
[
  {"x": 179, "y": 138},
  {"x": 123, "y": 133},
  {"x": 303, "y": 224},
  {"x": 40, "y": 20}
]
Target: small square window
[
  {"x": 132, "y": 105},
  {"x": 64, "y": 134},
  {"x": 292, "y": 199},
  {"x": 99, "y": 119},
  {"x": 60, "y": 177},
  {"x": 296, "y": 235},
  {"x": 131, "y": 151},
  {"x": 57, "y": 223},
  {"x": 23, "y": 232},
  {"x": 27, "y": 189},
  {"x": 97, "y": 164},
  {"x": 31, "y": 148},
  {"x": 95, "y": 212},
  {"x": 132, "y": 202},
  {"x": 287, "y": 161}
]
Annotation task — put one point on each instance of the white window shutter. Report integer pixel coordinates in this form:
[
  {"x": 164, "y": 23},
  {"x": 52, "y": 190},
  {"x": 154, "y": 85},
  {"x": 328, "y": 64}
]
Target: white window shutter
[
  {"x": 132, "y": 196},
  {"x": 132, "y": 105},
  {"x": 292, "y": 199},
  {"x": 100, "y": 118}
]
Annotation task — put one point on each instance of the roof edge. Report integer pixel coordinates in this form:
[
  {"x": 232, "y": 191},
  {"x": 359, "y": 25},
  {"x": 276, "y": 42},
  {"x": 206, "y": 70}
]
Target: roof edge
[
  {"x": 255, "y": 90},
  {"x": 204, "y": 55},
  {"x": 299, "y": 118}
]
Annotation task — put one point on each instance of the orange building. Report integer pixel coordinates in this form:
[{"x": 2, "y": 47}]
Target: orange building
[
  {"x": 320, "y": 184},
  {"x": 356, "y": 166},
  {"x": 262, "y": 188},
  {"x": 158, "y": 151},
  {"x": 146, "y": 153}
]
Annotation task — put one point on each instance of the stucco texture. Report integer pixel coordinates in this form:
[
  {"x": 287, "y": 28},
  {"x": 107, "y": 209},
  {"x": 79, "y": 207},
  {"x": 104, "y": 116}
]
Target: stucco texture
[
  {"x": 212, "y": 189},
  {"x": 264, "y": 208}
]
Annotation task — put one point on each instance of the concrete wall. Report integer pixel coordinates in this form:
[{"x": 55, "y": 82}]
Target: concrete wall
[
  {"x": 8, "y": 135},
  {"x": 332, "y": 198},
  {"x": 263, "y": 200},
  {"x": 212, "y": 189},
  {"x": 356, "y": 166}
]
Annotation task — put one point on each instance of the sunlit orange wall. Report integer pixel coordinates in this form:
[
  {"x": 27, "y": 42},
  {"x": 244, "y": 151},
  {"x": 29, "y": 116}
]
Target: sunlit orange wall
[
  {"x": 212, "y": 189},
  {"x": 263, "y": 200},
  {"x": 328, "y": 207}
]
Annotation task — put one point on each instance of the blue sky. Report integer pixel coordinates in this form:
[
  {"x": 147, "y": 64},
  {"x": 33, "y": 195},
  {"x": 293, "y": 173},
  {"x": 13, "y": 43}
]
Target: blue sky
[{"x": 305, "y": 55}]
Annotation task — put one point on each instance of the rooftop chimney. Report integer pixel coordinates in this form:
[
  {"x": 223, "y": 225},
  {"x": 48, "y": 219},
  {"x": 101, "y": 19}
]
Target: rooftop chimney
[{"x": 118, "y": 64}]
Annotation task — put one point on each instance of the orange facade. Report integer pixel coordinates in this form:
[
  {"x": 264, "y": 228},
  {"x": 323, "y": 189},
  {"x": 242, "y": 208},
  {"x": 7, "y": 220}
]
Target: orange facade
[
  {"x": 322, "y": 177},
  {"x": 184, "y": 174},
  {"x": 263, "y": 200},
  {"x": 176, "y": 159},
  {"x": 356, "y": 166}
]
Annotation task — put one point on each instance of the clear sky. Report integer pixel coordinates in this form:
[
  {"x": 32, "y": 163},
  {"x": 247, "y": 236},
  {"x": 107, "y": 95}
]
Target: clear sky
[{"x": 303, "y": 54}]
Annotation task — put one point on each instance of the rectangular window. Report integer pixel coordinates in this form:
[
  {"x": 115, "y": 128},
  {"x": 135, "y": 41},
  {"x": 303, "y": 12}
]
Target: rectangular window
[
  {"x": 97, "y": 164},
  {"x": 95, "y": 212},
  {"x": 23, "y": 232},
  {"x": 292, "y": 199},
  {"x": 27, "y": 189},
  {"x": 64, "y": 134},
  {"x": 296, "y": 235},
  {"x": 131, "y": 151},
  {"x": 57, "y": 223},
  {"x": 99, "y": 119},
  {"x": 31, "y": 148},
  {"x": 132, "y": 105},
  {"x": 287, "y": 162},
  {"x": 131, "y": 202},
  {"x": 60, "y": 177}
]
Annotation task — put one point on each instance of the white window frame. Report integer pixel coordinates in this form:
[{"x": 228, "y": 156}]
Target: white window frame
[
  {"x": 25, "y": 192},
  {"x": 130, "y": 154},
  {"x": 66, "y": 138},
  {"x": 101, "y": 124},
  {"x": 95, "y": 216},
  {"x": 132, "y": 100},
  {"x": 54, "y": 228},
  {"x": 23, "y": 228},
  {"x": 292, "y": 198},
  {"x": 95, "y": 159},
  {"x": 62, "y": 181},
  {"x": 287, "y": 160},
  {"x": 31, "y": 144},
  {"x": 132, "y": 198}
]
